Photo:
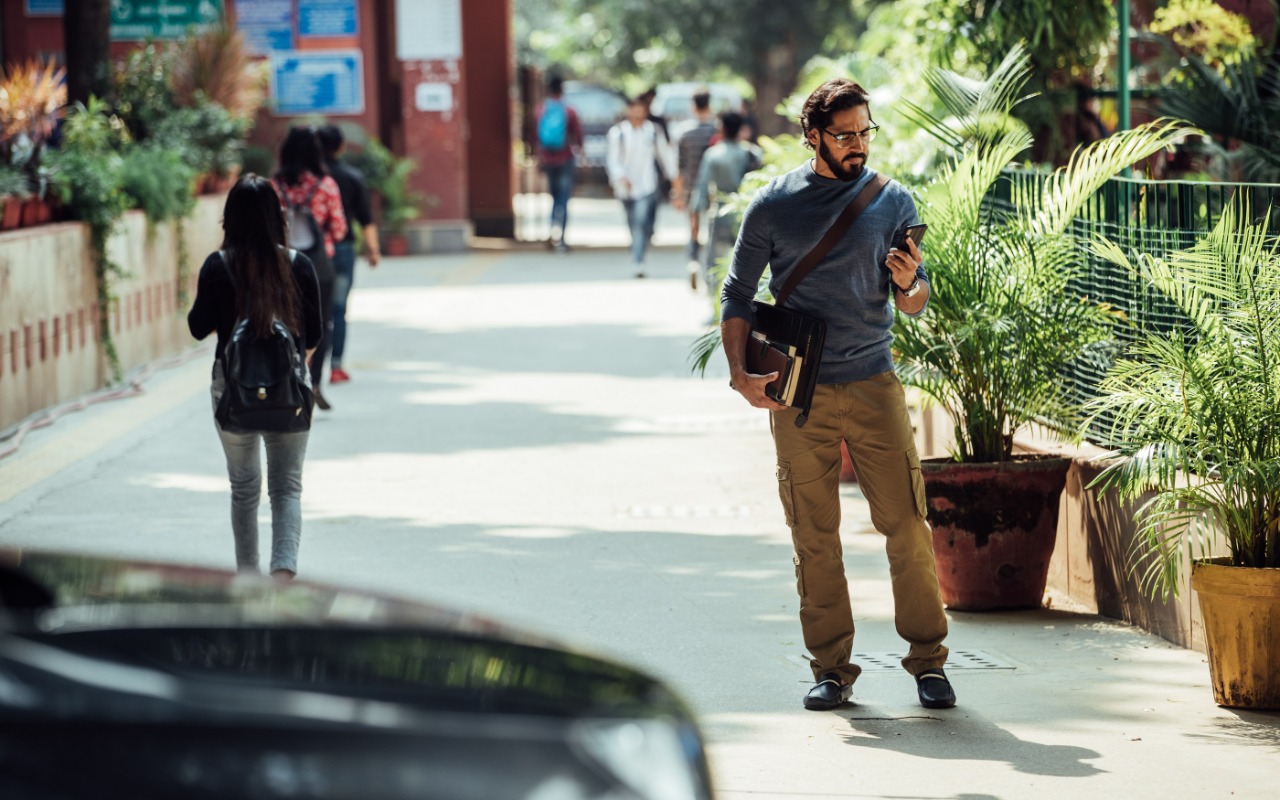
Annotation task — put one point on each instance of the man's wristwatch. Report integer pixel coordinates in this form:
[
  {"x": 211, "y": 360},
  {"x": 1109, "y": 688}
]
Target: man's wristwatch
[{"x": 910, "y": 291}]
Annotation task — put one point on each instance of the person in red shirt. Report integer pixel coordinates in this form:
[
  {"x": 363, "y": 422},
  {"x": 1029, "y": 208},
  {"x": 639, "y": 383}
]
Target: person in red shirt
[
  {"x": 303, "y": 181},
  {"x": 559, "y": 140}
]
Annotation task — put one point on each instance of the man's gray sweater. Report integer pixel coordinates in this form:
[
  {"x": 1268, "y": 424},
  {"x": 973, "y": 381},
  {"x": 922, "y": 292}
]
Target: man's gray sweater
[{"x": 850, "y": 288}]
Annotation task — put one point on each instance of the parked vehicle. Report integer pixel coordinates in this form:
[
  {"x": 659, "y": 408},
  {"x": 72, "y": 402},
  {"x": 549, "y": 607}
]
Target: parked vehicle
[
  {"x": 598, "y": 109},
  {"x": 125, "y": 679},
  {"x": 674, "y": 103}
]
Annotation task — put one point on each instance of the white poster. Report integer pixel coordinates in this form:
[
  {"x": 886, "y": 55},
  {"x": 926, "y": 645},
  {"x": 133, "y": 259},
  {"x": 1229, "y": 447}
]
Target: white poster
[{"x": 428, "y": 30}]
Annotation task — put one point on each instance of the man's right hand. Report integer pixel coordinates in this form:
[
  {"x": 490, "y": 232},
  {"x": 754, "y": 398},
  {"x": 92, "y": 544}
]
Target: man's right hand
[{"x": 752, "y": 388}]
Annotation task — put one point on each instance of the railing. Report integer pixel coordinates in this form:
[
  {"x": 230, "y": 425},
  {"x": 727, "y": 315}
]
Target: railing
[{"x": 1156, "y": 217}]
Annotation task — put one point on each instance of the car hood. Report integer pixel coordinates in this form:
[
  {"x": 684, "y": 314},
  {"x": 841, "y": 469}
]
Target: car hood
[
  {"x": 211, "y": 629},
  {"x": 128, "y": 679}
]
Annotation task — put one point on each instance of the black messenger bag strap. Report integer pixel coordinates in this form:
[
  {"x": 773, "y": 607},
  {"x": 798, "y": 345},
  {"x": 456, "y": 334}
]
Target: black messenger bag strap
[{"x": 833, "y": 235}]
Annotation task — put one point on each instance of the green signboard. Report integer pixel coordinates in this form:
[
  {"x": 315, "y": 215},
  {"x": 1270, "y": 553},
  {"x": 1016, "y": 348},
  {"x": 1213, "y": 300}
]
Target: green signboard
[{"x": 133, "y": 20}]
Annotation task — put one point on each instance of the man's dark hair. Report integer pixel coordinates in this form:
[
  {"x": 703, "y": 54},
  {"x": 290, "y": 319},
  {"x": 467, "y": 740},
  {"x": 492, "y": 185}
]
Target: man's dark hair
[
  {"x": 555, "y": 86},
  {"x": 730, "y": 125},
  {"x": 330, "y": 139},
  {"x": 837, "y": 94},
  {"x": 702, "y": 100}
]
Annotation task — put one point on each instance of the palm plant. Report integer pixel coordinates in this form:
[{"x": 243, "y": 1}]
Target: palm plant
[
  {"x": 1002, "y": 322},
  {"x": 1197, "y": 408},
  {"x": 1238, "y": 103}
]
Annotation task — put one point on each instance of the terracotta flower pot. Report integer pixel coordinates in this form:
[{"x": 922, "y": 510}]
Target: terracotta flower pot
[
  {"x": 994, "y": 529},
  {"x": 12, "y": 216},
  {"x": 1241, "y": 610},
  {"x": 396, "y": 244}
]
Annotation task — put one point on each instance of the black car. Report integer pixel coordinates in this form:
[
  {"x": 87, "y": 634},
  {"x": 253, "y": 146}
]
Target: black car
[{"x": 124, "y": 679}]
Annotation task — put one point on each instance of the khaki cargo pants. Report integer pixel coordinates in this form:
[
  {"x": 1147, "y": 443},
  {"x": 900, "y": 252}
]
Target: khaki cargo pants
[{"x": 871, "y": 416}]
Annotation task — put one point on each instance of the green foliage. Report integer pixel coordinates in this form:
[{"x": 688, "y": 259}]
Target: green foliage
[
  {"x": 208, "y": 136},
  {"x": 1001, "y": 324},
  {"x": 88, "y": 172},
  {"x": 88, "y": 176},
  {"x": 1065, "y": 43},
  {"x": 13, "y": 183},
  {"x": 388, "y": 176},
  {"x": 1197, "y": 409},
  {"x": 158, "y": 181},
  {"x": 638, "y": 44},
  {"x": 142, "y": 92},
  {"x": 1239, "y": 104},
  {"x": 1206, "y": 30}
]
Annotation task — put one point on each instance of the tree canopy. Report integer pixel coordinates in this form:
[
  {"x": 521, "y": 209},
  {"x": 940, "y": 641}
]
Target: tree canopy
[{"x": 763, "y": 42}]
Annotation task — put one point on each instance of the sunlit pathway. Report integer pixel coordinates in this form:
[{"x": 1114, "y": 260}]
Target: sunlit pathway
[{"x": 522, "y": 438}]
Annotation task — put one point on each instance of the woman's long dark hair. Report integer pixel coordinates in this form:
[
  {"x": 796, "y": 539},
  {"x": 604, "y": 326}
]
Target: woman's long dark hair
[
  {"x": 300, "y": 153},
  {"x": 254, "y": 241}
]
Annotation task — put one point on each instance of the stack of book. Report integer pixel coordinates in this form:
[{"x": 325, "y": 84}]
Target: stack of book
[{"x": 782, "y": 359}]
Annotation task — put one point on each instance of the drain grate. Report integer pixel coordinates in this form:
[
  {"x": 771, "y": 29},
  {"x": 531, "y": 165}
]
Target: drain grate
[{"x": 959, "y": 659}]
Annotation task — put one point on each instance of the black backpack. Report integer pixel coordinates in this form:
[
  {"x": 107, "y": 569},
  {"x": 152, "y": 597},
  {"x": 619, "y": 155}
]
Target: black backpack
[{"x": 266, "y": 381}]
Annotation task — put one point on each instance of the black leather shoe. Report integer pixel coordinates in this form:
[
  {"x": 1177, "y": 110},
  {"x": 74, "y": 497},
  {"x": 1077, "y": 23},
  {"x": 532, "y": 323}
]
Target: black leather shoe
[
  {"x": 322, "y": 403},
  {"x": 934, "y": 689},
  {"x": 828, "y": 693}
]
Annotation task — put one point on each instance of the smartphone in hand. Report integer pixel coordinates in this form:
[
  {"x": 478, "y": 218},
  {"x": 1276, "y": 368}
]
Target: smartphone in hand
[{"x": 913, "y": 232}]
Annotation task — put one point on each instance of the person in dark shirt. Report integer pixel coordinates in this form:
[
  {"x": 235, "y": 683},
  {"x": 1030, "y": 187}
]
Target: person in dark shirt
[
  {"x": 355, "y": 204},
  {"x": 270, "y": 282}
]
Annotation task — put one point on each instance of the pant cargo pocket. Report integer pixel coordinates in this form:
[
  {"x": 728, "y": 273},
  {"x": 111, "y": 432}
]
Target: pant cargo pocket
[{"x": 917, "y": 484}]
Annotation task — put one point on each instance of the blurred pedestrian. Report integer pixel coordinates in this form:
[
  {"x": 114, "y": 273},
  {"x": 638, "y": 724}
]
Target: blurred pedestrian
[
  {"x": 719, "y": 175},
  {"x": 356, "y": 208},
  {"x": 306, "y": 188},
  {"x": 693, "y": 144},
  {"x": 666, "y": 178},
  {"x": 255, "y": 277},
  {"x": 559, "y": 141},
  {"x": 635, "y": 145}
]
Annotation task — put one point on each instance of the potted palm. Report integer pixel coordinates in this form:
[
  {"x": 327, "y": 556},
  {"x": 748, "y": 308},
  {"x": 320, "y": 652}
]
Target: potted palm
[
  {"x": 1001, "y": 326},
  {"x": 1197, "y": 427}
]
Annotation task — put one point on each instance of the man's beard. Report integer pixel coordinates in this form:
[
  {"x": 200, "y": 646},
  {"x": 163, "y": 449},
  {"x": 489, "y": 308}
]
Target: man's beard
[{"x": 848, "y": 170}]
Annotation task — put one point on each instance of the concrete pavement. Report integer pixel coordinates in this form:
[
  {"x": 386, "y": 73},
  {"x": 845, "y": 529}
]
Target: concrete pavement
[{"x": 522, "y": 437}]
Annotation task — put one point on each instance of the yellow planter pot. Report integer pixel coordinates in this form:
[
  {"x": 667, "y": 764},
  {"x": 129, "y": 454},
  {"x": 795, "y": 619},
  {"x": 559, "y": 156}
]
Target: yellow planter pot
[{"x": 1241, "y": 610}]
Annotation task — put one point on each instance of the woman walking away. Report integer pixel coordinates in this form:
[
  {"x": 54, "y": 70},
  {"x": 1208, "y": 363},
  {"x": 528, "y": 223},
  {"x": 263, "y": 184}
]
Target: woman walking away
[
  {"x": 315, "y": 221},
  {"x": 249, "y": 287}
]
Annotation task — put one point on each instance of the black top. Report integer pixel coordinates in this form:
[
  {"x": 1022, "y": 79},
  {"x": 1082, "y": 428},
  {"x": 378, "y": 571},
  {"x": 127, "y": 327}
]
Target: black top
[
  {"x": 215, "y": 305},
  {"x": 355, "y": 194}
]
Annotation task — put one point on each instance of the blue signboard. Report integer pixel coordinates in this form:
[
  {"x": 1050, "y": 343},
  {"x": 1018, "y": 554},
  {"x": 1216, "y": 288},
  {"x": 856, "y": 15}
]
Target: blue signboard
[
  {"x": 267, "y": 25},
  {"x": 327, "y": 18},
  {"x": 44, "y": 8},
  {"x": 317, "y": 82}
]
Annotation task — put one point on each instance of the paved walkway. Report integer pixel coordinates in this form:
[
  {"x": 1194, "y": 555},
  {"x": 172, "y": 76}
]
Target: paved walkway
[{"x": 522, "y": 437}]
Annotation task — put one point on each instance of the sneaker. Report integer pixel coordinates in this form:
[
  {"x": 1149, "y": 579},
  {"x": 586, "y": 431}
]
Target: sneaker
[
  {"x": 828, "y": 693},
  {"x": 694, "y": 269},
  {"x": 561, "y": 248},
  {"x": 338, "y": 375},
  {"x": 934, "y": 689}
]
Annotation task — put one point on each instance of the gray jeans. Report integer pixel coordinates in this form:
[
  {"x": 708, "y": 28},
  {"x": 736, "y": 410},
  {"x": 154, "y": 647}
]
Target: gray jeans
[{"x": 285, "y": 453}]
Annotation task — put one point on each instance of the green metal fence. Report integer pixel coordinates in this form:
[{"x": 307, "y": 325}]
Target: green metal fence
[{"x": 1157, "y": 217}]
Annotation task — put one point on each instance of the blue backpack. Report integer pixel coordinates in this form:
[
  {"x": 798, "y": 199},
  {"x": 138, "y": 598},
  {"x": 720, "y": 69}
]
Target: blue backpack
[{"x": 553, "y": 127}]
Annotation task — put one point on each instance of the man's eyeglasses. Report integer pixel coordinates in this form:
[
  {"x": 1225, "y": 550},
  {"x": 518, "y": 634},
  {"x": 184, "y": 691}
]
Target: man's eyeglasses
[{"x": 847, "y": 139}]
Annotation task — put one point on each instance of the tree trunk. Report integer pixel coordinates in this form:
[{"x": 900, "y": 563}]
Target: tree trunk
[
  {"x": 86, "y": 28},
  {"x": 773, "y": 83}
]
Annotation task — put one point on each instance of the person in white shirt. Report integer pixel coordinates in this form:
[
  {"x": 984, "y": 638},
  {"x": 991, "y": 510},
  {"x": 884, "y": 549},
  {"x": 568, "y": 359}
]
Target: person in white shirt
[{"x": 634, "y": 148}]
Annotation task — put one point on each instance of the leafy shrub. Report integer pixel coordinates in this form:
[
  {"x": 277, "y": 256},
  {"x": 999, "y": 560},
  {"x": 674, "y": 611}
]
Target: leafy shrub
[
  {"x": 158, "y": 181},
  {"x": 210, "y": 136}
]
